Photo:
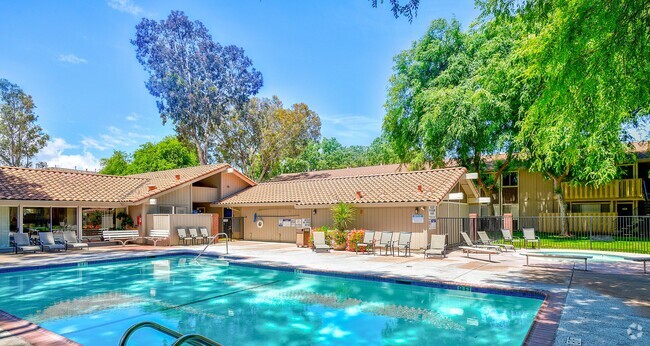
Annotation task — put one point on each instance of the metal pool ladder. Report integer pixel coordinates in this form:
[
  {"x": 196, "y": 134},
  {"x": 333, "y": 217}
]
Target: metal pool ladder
[
  {"x": 192, "y": 339},
  {"x": 212, "y": 239}
]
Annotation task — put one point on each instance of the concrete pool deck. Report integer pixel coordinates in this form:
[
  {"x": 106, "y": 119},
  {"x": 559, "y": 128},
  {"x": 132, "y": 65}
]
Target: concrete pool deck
[{"x": 600, "y": 305}]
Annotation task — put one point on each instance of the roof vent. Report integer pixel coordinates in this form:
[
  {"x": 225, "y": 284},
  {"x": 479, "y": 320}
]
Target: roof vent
[
  {"x": 359, "y": 195},
  {"x": 177, "y": 176},
  {"x": 420, "y": 188},
  {"x": 151, "y": 187}
]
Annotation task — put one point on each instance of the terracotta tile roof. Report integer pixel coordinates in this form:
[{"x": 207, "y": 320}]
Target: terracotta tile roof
[
  {"x": 58, "y": 185},
  {"x": 343, "y": 172},
  {"x": 398, "y": 187}
]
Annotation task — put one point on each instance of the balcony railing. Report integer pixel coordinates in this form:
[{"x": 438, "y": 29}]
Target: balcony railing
[
  {"x": 204, "y": 194},
  {"x": 617, "y": 189}
]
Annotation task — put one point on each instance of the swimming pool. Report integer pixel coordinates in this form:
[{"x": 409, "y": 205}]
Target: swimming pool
[
  {"x": 596, "y": 256},
  {"x": 235, "y": 304}
]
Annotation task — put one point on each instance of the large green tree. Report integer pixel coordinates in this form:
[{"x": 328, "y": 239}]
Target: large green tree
[
  {"x": 194, "y": 79},
  {"x": 457, "y": 95},
  {"x": 590, "y": 62},
  {"x": 21, "y": 138},
  {"x": 169, "y": 153}
]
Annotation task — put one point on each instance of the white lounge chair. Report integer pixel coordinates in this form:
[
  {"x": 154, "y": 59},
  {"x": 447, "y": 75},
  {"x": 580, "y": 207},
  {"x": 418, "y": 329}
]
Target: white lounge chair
[
  {"x": 22, "y": 243},
  {"x": 485, "y": 239},
  {"x": 319, "y": 242},
  {"x": 437, "y": 247},
  {"x": 529, "y": 237},
  {"x": 182, "y": 235},
  {"x": 72, "y": 242},
  {"x": 403, "y": 242},
  {"x": 385, "y": 242},
  {"x": 195, "y": 235},
  {"x": 205, "y": 234},
  {"x": 48, "y": 243},
  {"x": 470, "y": 244},
  {"x": 368, "y": 242}
]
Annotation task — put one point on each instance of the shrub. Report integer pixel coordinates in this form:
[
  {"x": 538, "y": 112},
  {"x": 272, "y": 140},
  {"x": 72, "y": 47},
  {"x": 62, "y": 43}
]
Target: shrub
[
  {"x": 355, "y": 237},
  {"x": 343, "y": 215},
  {"x": 339, "y": 237}
]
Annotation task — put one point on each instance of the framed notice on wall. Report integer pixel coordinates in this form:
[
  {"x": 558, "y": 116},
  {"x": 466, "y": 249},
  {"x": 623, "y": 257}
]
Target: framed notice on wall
[
  {"x": 417, "y": 218},
  {"x": 432, "y": 218}
]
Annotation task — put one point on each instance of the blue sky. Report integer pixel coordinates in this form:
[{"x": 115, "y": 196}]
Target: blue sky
[{"x": 75, "y": 59}]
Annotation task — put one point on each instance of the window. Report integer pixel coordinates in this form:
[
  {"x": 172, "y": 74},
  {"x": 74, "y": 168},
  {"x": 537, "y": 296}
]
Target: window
[
  {"x": 627, "y": 172},
  {"x": 590, "y": 208},
  {"x": 8, "y": 224},
  {"x": 64, "y": 219},
  {"x": 95, "y": 220},
  {"x": 36, "y": 219},
  {"x": 510, "y": 190}
]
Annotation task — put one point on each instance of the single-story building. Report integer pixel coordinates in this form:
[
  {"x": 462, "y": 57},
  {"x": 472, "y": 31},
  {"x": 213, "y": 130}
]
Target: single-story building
[
  {"x": 385, "y": 199},
  {"x": 33, "y": 200}
]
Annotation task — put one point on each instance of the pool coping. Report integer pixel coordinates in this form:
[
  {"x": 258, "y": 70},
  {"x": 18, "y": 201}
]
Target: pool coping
[{"x": 541, "y": 332}]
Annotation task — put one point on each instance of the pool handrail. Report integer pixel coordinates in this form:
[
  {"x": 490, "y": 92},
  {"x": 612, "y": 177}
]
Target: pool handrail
[
  {"x": 192, "y": 339},
  {"x": 211, "y": 241}
]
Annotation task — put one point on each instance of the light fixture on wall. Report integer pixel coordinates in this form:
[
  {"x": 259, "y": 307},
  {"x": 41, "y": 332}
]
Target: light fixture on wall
[
  {"x": 417, "y": 210},
  {"x": 314, "y": 211},
  {"x": 153, "y": 201}
]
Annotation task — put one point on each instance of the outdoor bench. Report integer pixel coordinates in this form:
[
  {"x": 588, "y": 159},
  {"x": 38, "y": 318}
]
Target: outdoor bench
[
  {"x": 558, "y": 256},
  {"x": 639, "y": 259},
  {"x": 479, "y": 250},
  {"x": 157, "y": 235},
  {"x": 123, "y": 236}
]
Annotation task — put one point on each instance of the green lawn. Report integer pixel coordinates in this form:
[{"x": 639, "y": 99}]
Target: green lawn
[{"x": 628, "y": 244}]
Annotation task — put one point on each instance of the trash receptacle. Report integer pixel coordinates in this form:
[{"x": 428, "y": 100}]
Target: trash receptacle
[{"x": 302, "y": 237}]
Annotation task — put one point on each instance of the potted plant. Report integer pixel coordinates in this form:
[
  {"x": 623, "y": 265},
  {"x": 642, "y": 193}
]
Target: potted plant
[{"x": 342, "y": 216}]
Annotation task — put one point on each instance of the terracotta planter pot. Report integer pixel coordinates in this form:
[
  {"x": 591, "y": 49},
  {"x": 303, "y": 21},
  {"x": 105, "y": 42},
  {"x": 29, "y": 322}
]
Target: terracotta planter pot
[{"x": 339, "y": 247}]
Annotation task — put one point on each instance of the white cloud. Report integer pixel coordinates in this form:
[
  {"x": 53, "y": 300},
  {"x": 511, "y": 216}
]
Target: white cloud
[
  {"x": 125, "y": 6},
  {"x": 72, "y": 59},
  {"x": 55, "y": 156},
  {"x": 132, "y": 117},
  {"x": 115, "y": 138}
]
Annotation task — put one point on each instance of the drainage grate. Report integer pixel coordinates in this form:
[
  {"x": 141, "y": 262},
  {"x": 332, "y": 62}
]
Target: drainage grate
[{"x": 573, "y": 341}]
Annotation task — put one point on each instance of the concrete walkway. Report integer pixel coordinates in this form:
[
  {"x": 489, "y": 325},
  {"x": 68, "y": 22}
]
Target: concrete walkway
[{"x": 601, "y": 304}]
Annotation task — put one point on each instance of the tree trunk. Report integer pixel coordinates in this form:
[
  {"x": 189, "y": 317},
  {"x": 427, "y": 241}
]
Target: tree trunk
[
  {"x": 557, "y": 188},
  {"x": 201, "y": 154}
]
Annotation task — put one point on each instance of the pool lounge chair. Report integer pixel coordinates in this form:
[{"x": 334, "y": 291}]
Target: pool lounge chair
[
  {"x": 22, "y": 244},
  {"x": 48, "y": 243},
  {"x": 385, "y": 242},
  {"x": 195, "y": 235},
  {"x": 529, "y": 237},
  {"x": 508, "y": 238},
  {"x": 470, "y": 244},
  {"x": 182, "y": 236},
  {"x": 485, "y": 239},
  {"x": 368, "y": 242},
  {"x": 205, "y": 234},
  {"x": 319, "y": 242},
  {"x": 403, "y": 242},
  {"x": 437, "y": 247},
  {"x": 72, "y": 242}
]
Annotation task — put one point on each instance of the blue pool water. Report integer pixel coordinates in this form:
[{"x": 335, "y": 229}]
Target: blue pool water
[{"x": 94, "y": 304}]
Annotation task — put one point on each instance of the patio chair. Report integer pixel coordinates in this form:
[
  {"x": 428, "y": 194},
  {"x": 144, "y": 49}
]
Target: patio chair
[
  {"x": 182, "y": 235},
  {"x": 22, "y": 243},
  {"x": 72, "y": 242},
  {"x": 195, "y": 236},
  {"x": 403, "y": 242},
  {"x": 205, "y": 234},
  {"x": 529, "y": 237},
  {"x": 368, "y": 242},
  {"x": 319, "y": 242},
  {"x": 485, "y": 239},
  {"x": 507, "y": 237},
  {"x": 48, "y": 243},
  {"x": 437, "y": 247},
  {"x": 385, "y": 242},
  {"x": 470, "y": 244}
]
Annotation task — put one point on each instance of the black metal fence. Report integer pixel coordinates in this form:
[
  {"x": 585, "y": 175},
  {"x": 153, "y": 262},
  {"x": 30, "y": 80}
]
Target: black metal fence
[{"x": 605, "y": 233}]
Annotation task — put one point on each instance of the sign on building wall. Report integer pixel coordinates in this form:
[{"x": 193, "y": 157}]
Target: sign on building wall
[
  {"x": 417, "y": 218},
  {"x": 432, "y": 217}
]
